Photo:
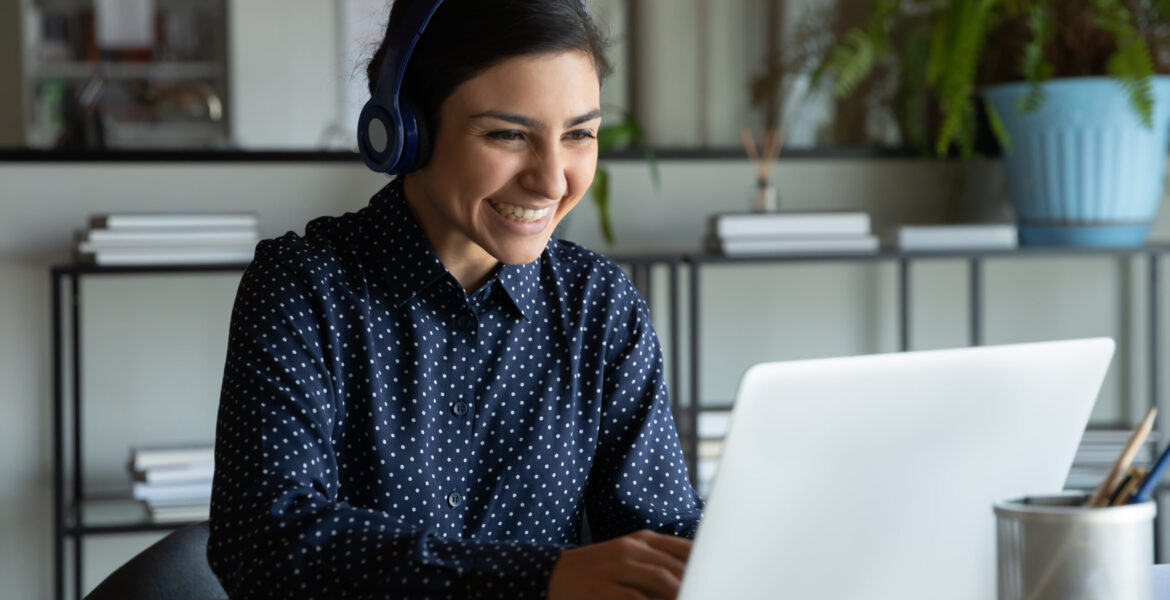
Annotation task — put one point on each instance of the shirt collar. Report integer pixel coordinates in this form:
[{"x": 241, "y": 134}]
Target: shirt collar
[
  {"x": 409, "y": 263},
  {"x": 519, "y": 281}
]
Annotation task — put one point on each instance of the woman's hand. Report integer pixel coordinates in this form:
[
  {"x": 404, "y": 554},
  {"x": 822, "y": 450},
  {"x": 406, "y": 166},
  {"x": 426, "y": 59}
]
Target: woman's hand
[{"x": 640, "y": 566}]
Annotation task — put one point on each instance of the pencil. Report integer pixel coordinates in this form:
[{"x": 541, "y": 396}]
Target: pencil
[
  {"x": 1151, "y": 481},
  {"x": 1128, "y": 487},
  {"x": 1109, "y": 486}
]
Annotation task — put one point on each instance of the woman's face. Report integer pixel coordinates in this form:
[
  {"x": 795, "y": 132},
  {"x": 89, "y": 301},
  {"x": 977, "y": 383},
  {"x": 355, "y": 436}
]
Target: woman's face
[{"x": 515, "y": 151}]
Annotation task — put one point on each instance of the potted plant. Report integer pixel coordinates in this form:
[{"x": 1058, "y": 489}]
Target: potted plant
[
  {"x": 1068, "y": 87},
  {"x": 624, "y": 133}
]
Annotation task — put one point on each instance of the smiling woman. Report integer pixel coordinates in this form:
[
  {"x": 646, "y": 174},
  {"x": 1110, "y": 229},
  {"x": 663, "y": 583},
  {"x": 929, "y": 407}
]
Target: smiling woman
[
  {"x": 423, "y": 398},
  {"x": 517, "y": 140}
]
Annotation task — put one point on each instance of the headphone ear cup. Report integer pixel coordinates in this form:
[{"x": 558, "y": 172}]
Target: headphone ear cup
[
  {"x": 425, "y": 141},
  {"x": 415, "y": 138},
  {"x": 378, "y": 136}
]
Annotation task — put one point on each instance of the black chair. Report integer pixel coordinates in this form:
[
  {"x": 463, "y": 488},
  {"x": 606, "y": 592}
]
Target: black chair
[{"x": 174, "y": 568}]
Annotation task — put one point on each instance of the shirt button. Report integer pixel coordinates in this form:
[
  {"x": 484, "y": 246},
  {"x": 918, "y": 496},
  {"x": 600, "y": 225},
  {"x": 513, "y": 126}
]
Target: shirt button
[
  {"x": 464, "y": 322},
  {"x": 459, "y": 408},
  {"x": 454, "y": 499}
]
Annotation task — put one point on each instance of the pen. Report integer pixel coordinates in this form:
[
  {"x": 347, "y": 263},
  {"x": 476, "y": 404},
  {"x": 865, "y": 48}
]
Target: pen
[
  {"x": 1151, "y": 481},
  {"x": 1117, "y": 471},
  {"x": 1129, "y": 487}
]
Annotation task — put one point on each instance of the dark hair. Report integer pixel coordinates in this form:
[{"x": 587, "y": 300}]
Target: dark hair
[{"x": 466, "y": 37}]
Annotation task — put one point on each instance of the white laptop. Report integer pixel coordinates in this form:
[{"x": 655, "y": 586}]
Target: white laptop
[{"x": 873, "y": 477}]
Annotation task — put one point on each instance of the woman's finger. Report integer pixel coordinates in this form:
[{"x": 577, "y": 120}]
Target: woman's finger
[
  {"x": 677, "y": 547},
  {"x": 652, "y": 580}
]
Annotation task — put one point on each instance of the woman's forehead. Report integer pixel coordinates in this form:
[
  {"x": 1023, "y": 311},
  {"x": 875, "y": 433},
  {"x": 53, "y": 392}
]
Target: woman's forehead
[{"x": 553, "y": 82}]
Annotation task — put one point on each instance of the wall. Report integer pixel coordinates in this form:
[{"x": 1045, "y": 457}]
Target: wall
[
  {"x": 150, "y": 324},
  {"x": 285, "y": 72}
]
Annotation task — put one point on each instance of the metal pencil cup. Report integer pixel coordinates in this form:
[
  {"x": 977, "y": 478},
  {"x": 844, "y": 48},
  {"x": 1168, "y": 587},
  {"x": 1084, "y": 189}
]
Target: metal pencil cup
[{"x": 1052, "y": 547}]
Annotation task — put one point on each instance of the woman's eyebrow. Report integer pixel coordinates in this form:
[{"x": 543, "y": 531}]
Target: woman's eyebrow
[
  {"x": 533, "y": 123},
  {"x": 585, "y": 118}
]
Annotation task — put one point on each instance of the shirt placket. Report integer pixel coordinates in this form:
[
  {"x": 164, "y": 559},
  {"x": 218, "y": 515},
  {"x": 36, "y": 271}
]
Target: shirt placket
[{"x": 460, "y": 408}]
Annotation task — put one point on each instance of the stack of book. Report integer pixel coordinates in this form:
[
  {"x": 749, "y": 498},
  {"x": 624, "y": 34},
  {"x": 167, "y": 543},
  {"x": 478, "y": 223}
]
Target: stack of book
[
  {"x": 169, "y": 238},
  {"x": 173, "y": 481},
  {"x": 770, "y": 233},
  {"x": 1098, "y": 451},
  {"x": 713, "y": 426}
]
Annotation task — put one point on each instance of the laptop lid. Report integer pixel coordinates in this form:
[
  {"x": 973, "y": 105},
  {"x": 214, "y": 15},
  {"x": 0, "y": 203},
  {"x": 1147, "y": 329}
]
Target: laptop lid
[{"x": 873, "y": 477}]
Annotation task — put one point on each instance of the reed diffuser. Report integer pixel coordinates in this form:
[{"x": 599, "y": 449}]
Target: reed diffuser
[{"x": 765, "y": 199}]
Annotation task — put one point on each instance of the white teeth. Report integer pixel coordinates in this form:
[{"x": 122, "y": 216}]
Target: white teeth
[{"x": 519, "y": 213}]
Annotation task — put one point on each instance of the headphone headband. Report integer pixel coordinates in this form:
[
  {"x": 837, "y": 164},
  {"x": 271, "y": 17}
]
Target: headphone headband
[{"x": 391, "y": 137}]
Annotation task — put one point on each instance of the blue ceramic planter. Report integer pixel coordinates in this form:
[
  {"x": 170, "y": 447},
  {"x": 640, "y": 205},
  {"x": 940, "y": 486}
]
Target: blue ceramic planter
[{"x": 1083, "y": 170}]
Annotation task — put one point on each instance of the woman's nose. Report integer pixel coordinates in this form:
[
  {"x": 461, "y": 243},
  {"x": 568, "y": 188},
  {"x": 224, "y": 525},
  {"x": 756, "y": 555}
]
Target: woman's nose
[{"x": 545, "y": 173}]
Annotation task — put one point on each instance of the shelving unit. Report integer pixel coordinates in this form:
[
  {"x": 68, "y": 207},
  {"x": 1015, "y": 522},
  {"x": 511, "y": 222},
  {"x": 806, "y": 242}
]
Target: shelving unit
[
  {"x": 975, "y": 260},
  {"x": 172, "y": 93},
  {"x": 77, "y": 516}
]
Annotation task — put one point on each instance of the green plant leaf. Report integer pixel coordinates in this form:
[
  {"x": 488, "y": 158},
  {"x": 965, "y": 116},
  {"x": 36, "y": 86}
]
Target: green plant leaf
[
  {"x": 1034, "y": 66},
  {"x": 937, "y": 57},
  {"x": 600, "y": 192},
  {"x": 625, "y": 132},
  {"x": 911, "y": 98},
  {"x": 1131, "y": 64},
  {"x": 998, "y": 128},
  {"x": 956, "y": 87},
  {"x": 852, "y": 61}
]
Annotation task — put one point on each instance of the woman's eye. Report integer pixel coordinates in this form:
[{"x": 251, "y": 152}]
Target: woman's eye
[
  {"x": 581, "y": 135},
  {"x": 507, "y": 135}
]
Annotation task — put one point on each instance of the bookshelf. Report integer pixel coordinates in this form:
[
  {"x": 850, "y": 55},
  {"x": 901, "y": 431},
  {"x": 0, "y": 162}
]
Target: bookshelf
[
  {"x": 169, "y": 90},
  {"x": 679, "y": 314},
  {"x": 79, "y": 513}
]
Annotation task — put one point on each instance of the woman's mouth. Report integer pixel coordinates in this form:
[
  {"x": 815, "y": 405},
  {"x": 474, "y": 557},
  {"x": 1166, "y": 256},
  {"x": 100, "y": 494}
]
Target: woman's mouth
[{"x": 518, "y": 214}]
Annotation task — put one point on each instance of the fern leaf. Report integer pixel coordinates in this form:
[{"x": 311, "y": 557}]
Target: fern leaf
[
  {"x": 956, "y": 87},
  {"x": 936, "y": 60},
  {"x": 1131, "y": 65},
  {"x": 998, "y": 128},
  {"x": 852, "y": 61},
  {"x": 600, "y": 191}
]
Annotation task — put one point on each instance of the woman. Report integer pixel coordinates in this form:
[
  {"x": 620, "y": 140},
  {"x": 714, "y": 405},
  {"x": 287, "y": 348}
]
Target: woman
[{"x": 421, "y": 398}]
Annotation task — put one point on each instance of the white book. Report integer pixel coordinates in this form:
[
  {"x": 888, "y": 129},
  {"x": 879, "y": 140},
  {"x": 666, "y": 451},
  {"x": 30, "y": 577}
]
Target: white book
[
  {"x": 175, "y": 247},
  {"x": 713, "y": 424},
  {"x": 732, "y": 225},
  {"x": 194, "y": 492},
  {"x": 970, "y": 236},
  {"x": 1116, "y": 437},
  {"x": 184, "y": 512},
  {"x": 154, "y": 503},
  {"x": 97, "y": 239},
  {"x": 707, "y": 468},
  {"x": 169, "y": 256},
  {"x": 1106, "y": 455},
  {"x": 858, "y": 244},
  {"x": 179, "y": 474},
  {"x": 145, "y": 458},
  {"x": 189, "y": 219},
  {"x": 710, "y": 448}
]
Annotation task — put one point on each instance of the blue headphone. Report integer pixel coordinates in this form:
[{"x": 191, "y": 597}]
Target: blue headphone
[{"x": 392, "y": 136}]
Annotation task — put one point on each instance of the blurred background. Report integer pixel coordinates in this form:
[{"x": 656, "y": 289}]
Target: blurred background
[{"x": 228, "y": 106}]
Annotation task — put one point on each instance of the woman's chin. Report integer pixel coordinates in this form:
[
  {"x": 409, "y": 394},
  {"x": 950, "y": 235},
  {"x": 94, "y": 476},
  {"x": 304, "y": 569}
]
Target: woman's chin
[{"x": 521, "y": 252}]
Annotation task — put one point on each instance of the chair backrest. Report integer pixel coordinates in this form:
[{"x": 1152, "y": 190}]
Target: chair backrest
[{"x": 174, "y": 568}]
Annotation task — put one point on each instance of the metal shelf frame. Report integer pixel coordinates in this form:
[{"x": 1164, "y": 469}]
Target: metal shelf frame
[
  {"x": 68, "y": 517},
  {"x": 69, "y": 522}
]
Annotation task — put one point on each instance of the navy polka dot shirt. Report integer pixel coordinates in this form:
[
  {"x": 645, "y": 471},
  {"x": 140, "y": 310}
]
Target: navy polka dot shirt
[{"x": 382, "y": 433}]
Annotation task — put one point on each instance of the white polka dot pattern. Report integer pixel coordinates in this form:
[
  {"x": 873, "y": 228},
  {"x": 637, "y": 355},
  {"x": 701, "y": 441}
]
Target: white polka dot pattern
[{"x": 384, "y": 434}]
